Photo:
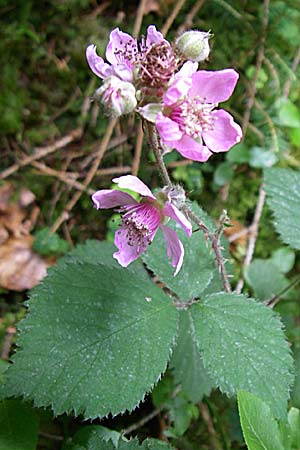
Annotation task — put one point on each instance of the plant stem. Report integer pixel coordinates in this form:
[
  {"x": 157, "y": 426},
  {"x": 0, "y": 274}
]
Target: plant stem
[
  {"x": 156, "y": 147},
  {"x": 213, "y": 237}
]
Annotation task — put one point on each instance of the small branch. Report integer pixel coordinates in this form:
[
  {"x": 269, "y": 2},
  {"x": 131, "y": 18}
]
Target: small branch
[
  {"x": 287, "y": 85},
  {"x": 188, "y": 22},
  {"x": 172, "y": 17},
  {"x": 139, "y": 18},
  {"x": 259, "y": 60},
  {"x": 276, "y": 298},
  {"x": 41, "y": 152},
  {"x": 91, "y": 173},
  {"x": 155, "y": 144},
  {"x": 143, "y": 421},
  {"x": 215, "y": 243},
  {"x": 210, "y": 426},
  {"x": 252, "y": 239}
]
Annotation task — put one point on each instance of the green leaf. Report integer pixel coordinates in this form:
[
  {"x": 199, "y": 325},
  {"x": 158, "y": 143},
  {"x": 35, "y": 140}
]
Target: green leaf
[
  {"x": 18, "y": 426},
  {"x": 198, "y": 265},
  {"x": 100, "y": 329},
  {"x": 223, "y": 174},
  {"x": 239, "y": 154},
  {"x": 265, "y": 279},
  {"x": 243, "y": 347},
  {"x": 294, "y": 422},
  {"x": 259, "y": 426},
  {"x": 3, "y": 368},
  {"x": 186, "y": 361},
  {"x": 261, "y": 158},
  {"x": 283, "y": 197},
  {"x": 148, "y": 444},
  {"x": 47, "y": 243},
  {"x": 284, "y": 259},
  {"x": 94, "y": 437},
  {"x": 288, "y": 114},
  {"x": 295, "y": 396}
]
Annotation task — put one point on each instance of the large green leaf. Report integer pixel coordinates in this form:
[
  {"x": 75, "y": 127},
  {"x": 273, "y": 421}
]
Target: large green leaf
[
  {"x": 259, "y": 426},
  {"x": 19, "y": 426},
  {"x": 187, "y": 363},
  {"x": 265, "y": 279},
  {"x": 244, "y": 348},
  {"x": 283, "y": 196},
  {"x": 198, "y": 264},
  {"x": 96, "y": 340}
]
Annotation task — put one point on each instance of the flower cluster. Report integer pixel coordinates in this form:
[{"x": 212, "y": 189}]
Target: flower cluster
[{"x": 161, "y": 82}]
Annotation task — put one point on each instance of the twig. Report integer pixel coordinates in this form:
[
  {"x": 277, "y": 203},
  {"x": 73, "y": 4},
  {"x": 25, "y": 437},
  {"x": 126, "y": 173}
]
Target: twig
[
  {"x": 138, "y": 149},
  {"x": 7, "y": 343},
  {"x": 287, "y": 85},
  {"x": 259, "y": 60},
  {"x": 114, "y": 170},
  {"x": 172, "y": 16},
  {"x": 139, "y": 18},
  {"x": 143, "y": 421},
  {"x": 65, "y": 177},
  {"x": 70, "y": 205},
  {"x": 276, "y": 298},
  {"x": 253, "y": 236},
  {"x": 41, "y": 152},
  {"x": 210, "y": 426},
  {"x": 215, "y": 243},
  {"x": 190, "y": 16}
]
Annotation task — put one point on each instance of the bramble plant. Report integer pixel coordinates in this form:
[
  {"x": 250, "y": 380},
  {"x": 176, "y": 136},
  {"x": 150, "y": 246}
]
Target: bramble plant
[{"x": 113, "y": 318}]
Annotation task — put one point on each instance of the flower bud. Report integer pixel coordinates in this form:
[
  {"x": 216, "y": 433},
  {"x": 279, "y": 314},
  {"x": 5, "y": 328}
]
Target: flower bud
[
  {"x": 117, "y": 96},
  {"x": 193, "y": 45}
]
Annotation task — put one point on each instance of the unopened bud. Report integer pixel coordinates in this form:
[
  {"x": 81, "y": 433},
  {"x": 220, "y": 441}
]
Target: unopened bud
[
  {"x": 193, "y": 45},
  {"x": 117, "y": 96}
]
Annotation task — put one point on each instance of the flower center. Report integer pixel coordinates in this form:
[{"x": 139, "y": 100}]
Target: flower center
[
  {"x": 127, "y": 53},
  {"x": 194, "y": 116},
  {"x": 141, "y": 222},
  {"x": 157, "y": 64}
]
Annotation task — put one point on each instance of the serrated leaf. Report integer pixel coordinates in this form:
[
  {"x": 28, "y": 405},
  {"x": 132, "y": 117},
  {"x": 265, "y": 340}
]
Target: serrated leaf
[
  {"x": 186, "y": 362},
  {"x": 96, "y": 340},
  {"x": 265, "y": 279},
  {"x": 198, "y": 264},
  {"x": 244, "y": 348},
  {"x": 259, "y": 426},
  {"x": 18, "y": 426},
  {"x": 283, "y": 197},
  {"x": 94, "y": 437}
]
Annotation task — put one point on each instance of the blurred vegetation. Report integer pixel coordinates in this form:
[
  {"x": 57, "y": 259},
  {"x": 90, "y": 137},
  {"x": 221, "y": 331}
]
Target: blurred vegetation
[{"x": 45, "y": 90}]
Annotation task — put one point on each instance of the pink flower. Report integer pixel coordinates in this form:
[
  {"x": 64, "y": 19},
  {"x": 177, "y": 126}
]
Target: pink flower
[
  {"x": 122, "y": 53},
  {"x": 189, "y": 121},
  {"x": 141, "y": 220}
]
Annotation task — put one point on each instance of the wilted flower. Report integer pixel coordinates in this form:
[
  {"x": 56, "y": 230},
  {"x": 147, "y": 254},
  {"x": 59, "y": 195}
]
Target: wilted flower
[
  {"x": 141, "y": 220},
  {"x": 152, "y": 62},
  {"x": 189, "y": 121},
  {"x": 193, "y": 45},
  {"x": 117, "y": 96}
]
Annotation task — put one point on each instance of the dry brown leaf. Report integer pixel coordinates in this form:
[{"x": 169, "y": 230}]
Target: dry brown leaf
[
  {"x": 237, "y": 227},
  {"x": 20, "y": 267}
]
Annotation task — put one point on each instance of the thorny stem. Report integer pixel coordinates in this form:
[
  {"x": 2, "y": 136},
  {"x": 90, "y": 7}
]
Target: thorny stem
[
  {"x": 156, "y": 147},
  {"x": 213, "y": 237}
]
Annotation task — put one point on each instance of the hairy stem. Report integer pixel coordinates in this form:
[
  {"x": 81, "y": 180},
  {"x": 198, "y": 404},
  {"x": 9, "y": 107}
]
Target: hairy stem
[{"x": 213, "y": 237}]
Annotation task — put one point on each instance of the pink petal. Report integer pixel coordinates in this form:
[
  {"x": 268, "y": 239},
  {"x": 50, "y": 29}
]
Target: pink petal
[
  {"x": 134, "y": 184},
  {"x": 225, "y": 133},
  {"x": 177, "y": 90},
  {"x": 153, "y": 36},
  {"x": 191, "y": 149},
  {"x": 188, "y": 68},
  {"x": 173, "y": 212},
  {"x": 121, "y": 47},
  {"x": 214, "y": 86},
  {"x": 96, "y": 63},
  {"x": 168, "y": 129},
  {"x": 122, "y": 71},
  {"x": 110, "y": 198},
  {"x": 127, "y": 253},
  {"x": 175, "y": 249}
]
